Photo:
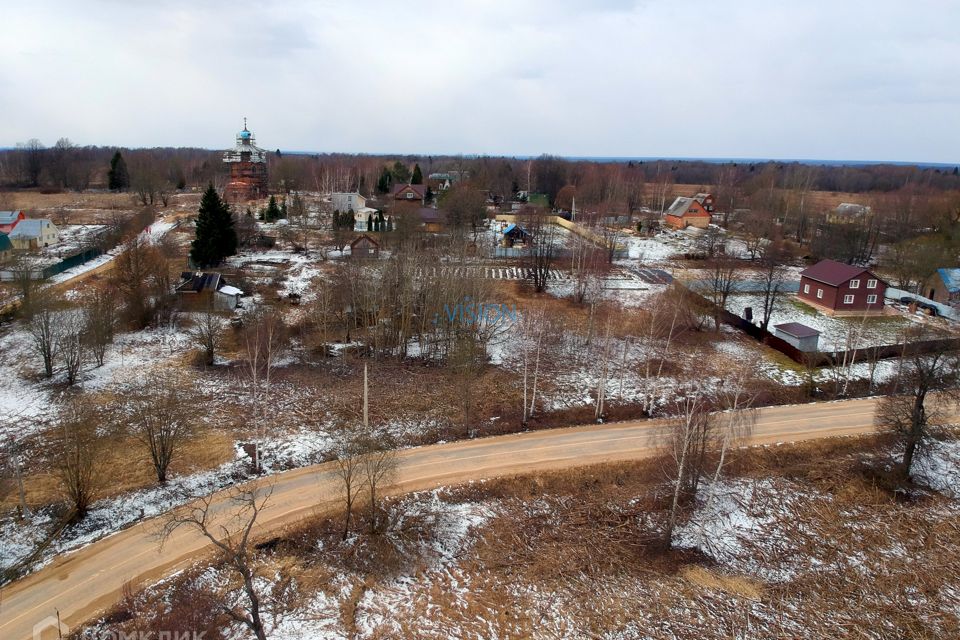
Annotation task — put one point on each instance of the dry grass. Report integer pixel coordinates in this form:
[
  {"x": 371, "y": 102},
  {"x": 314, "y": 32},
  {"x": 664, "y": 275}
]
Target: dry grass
[{"x": 567, "y": 555}]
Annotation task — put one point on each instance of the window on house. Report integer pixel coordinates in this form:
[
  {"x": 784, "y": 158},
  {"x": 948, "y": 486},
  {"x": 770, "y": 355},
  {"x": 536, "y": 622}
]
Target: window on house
[
  {"x": 854, "y": 284},
  {"x": 848, "y": 299},
  {"x": 871, "y": 284},
  {"x": 819, "y": 293},
  {"x": 806, "y": 288},
  {"x": 872, "y": 298}
]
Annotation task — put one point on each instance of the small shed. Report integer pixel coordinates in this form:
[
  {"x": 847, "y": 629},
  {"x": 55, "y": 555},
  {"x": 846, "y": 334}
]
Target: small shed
[
  {"x": 228, "y": 297},
  {"x": 515, "y": 234},
  {"x": 799, "y": 336},
  {"x": 364, "y": 247}
]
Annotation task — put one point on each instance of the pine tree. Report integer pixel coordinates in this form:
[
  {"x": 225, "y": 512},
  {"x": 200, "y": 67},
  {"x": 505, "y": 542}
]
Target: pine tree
[
  {"x": 272, "y": 214},
  {"x": 216, "y": 238},
  {"x": 283, "y": 209},
  {"x": 117, "y": 178},
  {"x": 417, "y": 175},
  {"x": 384, "y": 181},
  {"x": 389, "y": 224},
  {"x": 336, "y": 219},
  {"x": 369, "y": 223}
]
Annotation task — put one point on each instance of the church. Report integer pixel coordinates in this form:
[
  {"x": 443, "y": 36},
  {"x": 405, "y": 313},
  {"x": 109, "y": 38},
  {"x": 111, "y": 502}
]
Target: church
[{"x": 248, "y": 169}]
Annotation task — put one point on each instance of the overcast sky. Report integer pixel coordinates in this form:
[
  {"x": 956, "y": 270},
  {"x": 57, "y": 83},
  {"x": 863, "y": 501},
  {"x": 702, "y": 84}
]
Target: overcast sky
[{"x": 831, "y": 79}]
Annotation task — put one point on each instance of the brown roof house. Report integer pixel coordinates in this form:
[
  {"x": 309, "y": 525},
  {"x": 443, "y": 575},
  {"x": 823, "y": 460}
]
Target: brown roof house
[
  {"x": 364, "y": 247},
  {"x": 201, "y": 290},
  {"x": 409, "y": 192},
  {"x": 841, "y": 289},
  {"x": 687, "y": 212}
]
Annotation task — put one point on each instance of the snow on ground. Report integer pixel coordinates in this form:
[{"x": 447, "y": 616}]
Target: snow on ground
[
  {"x": 451, "y": 524},
  {"x": 659, "y": 248},
  {"x": 152, "y": 234},
  {"x": 937, "y": 465},
  {"x": 874, "y": 331},
  {"x": 733, "y": 517}
]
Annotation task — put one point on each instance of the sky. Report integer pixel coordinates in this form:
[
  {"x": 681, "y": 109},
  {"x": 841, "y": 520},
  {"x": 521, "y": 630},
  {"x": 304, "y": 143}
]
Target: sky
[{"x": 812, "y": 79}]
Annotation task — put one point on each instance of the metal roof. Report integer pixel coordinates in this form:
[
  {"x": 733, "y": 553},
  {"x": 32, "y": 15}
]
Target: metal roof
[
  {"x": 797, "y": 330},
  {"x": 951, "y": 279},
  {"x": 6, "y": 217},
  {"x": 30, "y": 228},
  {"x": 835, "y": 273}
]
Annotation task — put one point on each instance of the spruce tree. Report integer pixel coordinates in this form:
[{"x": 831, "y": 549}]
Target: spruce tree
[
  {"x": 272, "y": 214},
  {"x": 283, "y": 209},
  {"x": 117, "y": 178},
  {"x": 216, "y": 238},
  {"x": 417, "y": 175},
  {"x": 384, "y": 181}
]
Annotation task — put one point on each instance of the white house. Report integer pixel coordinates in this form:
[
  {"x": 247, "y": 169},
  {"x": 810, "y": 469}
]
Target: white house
[
  {"x": 34, "y": 234},
  {"x": 344, "y": 202}
]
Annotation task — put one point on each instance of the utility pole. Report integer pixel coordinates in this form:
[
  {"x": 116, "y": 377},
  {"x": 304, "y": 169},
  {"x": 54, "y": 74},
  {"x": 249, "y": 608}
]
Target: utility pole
[{"x": 366, "y": 416}]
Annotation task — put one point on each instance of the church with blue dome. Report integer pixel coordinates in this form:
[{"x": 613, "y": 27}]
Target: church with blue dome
[{"x": 248, "y": 168}]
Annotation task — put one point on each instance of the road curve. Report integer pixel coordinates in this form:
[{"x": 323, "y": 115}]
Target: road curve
[{"x": 84, "y": 583}]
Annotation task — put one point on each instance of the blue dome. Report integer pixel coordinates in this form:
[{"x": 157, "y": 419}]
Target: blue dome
[{"x": 245, "y": 134}]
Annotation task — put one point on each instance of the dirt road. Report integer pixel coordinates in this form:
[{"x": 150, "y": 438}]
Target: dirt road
[{"x": 90, "y": 580}]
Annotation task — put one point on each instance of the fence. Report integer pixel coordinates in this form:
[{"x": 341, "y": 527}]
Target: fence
[{"x": 831, "y": 358}]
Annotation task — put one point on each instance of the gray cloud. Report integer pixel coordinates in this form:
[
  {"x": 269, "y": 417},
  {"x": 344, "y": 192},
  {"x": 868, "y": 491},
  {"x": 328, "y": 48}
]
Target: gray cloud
[{"x": 718, "y": 78}]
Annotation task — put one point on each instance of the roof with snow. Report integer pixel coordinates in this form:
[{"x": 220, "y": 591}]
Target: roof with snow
[
  {"x": 835, "y": 273},
  {"x": 30, "y": 228},
  {"x": 797, "y": 330},
  {"x": 228, "y": 290},
  {"x": 951, "y": 279}
]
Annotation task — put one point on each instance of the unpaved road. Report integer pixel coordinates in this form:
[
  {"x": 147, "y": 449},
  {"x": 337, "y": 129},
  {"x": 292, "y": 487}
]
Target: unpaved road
[{"x": 86, "y": 582}]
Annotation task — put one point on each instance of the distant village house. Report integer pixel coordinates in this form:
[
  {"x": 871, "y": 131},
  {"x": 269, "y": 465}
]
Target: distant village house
[
  {"x": 201, "y": 290},
  {"x": 9, "y": 219},
  {"x": 34, "y": 234},
  {"x": 364, "y": 247},
  {"x": 688, "y": 212},
  {"x": 944, "y": 287}
]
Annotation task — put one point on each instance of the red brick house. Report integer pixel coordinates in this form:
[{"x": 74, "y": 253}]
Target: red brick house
[
  {"x": 409, "y": 192},
  {"x": 687, "y": 212},
  {"x": 841, "y": 289},
  {"x": 9, "y": 219}
]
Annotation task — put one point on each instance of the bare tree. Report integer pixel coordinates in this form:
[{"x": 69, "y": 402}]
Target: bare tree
[
  {"x": 696, "y": 434},
  {"x": 231, "y": 537},
  {"x": 349, "y": 472},
  {"x": 161, "y": 417},
  {"x": 687, "y": 435},
  {"x": 264, "y": 339},
  {"x": 99, "y": 313},
  {"x": 720, "y": 285},
  {"x": 772, "y": 277},
  {"x": 542, "y": 252},
  {"x": 912, "y": 410},
  {"x": 78, "y": 461},
  {"x": 71, "y": 342},
  {"x": 378, "y": 465},
  {"x": 207, "y": 331},
  {"x": 44, "y": 329}
]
